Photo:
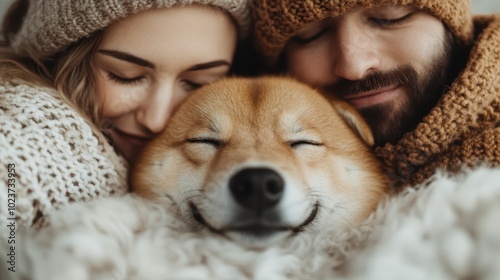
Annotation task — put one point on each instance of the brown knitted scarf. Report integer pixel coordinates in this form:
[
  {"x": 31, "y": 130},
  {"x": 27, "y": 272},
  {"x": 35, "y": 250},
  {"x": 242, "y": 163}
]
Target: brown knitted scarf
[{"x": 464, "y": 128}]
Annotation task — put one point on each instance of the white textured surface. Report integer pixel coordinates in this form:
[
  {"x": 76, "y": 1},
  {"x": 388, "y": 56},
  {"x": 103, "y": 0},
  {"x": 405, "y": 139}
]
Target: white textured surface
[{"x": 447, "y": 230}]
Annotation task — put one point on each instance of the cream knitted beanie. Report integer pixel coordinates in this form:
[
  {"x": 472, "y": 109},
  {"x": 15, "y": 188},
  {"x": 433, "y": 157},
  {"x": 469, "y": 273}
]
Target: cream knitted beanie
[
  {"x": 52, "y": 25},
  {"x": 278, "y": 20}
]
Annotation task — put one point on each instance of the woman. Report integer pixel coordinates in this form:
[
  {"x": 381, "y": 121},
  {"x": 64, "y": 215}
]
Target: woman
[{"x": 84, "y": 85}]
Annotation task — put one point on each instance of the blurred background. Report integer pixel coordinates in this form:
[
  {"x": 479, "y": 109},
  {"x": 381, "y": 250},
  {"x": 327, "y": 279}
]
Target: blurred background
[
  {"x": 485, "y": 6},
  {"x": 478, "y": 6}
]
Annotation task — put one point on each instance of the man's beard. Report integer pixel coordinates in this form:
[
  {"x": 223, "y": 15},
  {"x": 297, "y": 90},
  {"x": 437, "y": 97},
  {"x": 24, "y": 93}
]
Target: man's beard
[{"x": 391, "y": 120}]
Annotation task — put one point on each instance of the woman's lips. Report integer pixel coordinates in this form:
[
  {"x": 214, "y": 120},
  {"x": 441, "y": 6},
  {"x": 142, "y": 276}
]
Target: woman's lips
[
  {"x": 134, "y": 139},
  {"x": 371, "y": 98}
]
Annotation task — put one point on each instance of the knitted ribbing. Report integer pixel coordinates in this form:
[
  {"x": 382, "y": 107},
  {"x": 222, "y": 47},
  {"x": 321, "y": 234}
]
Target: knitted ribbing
[
  {"x": 52, "y": 25},
  {"x": 464, "y": 127},
  {"x": 54, "y": 156},
  {"x": 278, "y": 20}
]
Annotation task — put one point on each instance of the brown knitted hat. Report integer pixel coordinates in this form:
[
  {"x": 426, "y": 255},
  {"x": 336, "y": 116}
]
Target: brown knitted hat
[
  {"x": 52, "y": 25},
  {"x": 278, "y": 20}
]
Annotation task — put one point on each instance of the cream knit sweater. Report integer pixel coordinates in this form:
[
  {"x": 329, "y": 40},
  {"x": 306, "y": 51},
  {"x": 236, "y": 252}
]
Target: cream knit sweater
[{"x": 51, "y": 155}]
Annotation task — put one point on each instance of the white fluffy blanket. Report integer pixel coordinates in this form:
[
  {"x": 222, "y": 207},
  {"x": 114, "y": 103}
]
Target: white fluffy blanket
[{"x": 446, "y": 230}]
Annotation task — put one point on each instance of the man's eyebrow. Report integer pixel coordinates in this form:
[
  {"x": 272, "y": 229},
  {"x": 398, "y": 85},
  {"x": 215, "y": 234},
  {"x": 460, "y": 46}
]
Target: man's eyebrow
[
  {"x": 208, "y": 65},
  {"x": 128, "y": 57}
]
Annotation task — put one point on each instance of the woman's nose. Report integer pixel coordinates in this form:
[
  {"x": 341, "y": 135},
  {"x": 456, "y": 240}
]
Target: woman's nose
[
  {"x": 157, "y": 109},
  {"x": 355, "y": 50}
]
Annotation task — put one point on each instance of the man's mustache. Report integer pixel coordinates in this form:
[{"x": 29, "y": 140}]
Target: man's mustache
[{"x": 401, "y": 76}]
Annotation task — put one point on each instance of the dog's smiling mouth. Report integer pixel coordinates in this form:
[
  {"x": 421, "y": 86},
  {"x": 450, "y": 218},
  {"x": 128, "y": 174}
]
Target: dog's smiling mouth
[{"x": 255, "y": 229}]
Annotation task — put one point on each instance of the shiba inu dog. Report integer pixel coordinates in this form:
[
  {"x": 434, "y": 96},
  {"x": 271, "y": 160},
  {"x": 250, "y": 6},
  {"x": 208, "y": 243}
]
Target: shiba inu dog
[{"x": 258, "y": 160}]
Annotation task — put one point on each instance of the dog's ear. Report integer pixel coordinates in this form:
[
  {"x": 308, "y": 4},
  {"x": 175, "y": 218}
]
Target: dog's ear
[{"x": 354, "y": 119}]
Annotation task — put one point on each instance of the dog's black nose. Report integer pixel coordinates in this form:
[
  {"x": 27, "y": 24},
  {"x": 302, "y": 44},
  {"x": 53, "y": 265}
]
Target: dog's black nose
[{"x": 257, "y": 188}]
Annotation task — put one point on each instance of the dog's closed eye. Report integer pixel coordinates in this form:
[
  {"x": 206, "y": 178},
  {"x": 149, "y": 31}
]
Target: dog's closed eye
[
  {"x": 216, "y": 143},
  {"x": 303, "y": 142}
]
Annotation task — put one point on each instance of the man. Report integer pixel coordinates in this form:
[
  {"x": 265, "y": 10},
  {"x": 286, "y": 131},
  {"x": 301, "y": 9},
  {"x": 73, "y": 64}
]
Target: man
[{"x": 425, "y": 74}]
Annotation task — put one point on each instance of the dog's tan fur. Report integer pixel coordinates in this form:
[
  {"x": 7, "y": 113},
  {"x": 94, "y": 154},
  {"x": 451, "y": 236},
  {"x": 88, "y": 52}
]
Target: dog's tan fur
[{"x": 239, "y": 122}]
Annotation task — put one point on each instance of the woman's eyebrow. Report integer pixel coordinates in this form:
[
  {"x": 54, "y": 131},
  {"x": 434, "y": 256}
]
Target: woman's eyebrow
[
  {"x": 128, "y": 57},
  {"x": 212, "y": 64}
]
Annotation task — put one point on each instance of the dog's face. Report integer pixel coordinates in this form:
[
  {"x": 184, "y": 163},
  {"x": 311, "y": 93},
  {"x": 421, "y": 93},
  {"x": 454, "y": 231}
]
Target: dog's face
[{"x": 259, "y": 160}]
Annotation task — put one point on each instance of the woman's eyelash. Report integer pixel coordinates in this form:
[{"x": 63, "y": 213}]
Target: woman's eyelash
[
  {"x": 391, "y": 22},
  {"x": 305, "y": 41},
  {"x": 121, "y": 80},
  {"x": 127, "y": 81},
  {"x": 192, "y": 85}
]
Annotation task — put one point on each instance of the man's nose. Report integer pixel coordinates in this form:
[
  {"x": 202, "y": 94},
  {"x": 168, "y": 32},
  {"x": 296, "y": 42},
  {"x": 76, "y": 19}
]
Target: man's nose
[{"x": 355, "y": 50}]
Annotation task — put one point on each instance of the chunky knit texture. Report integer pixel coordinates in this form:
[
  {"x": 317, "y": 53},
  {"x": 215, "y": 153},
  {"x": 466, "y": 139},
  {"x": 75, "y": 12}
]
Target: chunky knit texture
[
  {"x": 464, "y": 127},
  {"x": 54, "y": 156},
  {"x": 52, "y": 25},
  {"x": 133, "y": 239},
  {"x": 278, "y": 20}
]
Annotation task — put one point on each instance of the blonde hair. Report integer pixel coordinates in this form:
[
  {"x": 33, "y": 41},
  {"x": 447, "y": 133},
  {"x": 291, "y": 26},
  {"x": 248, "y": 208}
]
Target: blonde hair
[{"x": 69, "y": 72}]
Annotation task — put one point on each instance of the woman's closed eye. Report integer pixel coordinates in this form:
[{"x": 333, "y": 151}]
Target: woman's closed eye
[
  {"x": 124, "y": 80},
  {"x": 190, "y": 85}
]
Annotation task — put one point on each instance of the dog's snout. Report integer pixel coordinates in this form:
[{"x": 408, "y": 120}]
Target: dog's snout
[{"x": 257, "y": 188}]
